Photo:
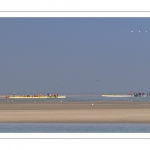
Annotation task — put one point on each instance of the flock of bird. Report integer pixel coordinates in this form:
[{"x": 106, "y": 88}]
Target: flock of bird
[{"x": 140, "y": 31}]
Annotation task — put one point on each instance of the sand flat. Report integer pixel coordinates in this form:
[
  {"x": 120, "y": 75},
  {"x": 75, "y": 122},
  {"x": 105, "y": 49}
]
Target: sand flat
[{"x": 75, "y": 112}]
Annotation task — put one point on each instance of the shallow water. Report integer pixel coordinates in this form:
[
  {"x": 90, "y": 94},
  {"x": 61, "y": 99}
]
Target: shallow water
[
  {"x": 74, "y": 128},
  {"x": 82, "y": 97}
]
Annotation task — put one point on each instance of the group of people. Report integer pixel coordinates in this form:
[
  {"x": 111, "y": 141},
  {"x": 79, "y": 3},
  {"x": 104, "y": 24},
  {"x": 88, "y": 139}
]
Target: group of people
[
  {"x": 6, "y": 96},
  {"x": 139, "y": 94},
  {"x": 35, "y": 95},
  {"x": 52, "y": 95}
]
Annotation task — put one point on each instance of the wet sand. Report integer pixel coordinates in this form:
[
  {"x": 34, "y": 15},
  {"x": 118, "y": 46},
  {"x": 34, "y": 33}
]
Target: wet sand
[{"x": 75, "y": 112}]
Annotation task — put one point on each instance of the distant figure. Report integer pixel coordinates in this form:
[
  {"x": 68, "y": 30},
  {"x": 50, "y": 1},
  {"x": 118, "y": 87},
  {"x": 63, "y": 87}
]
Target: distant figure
[
  {"x": 130, "y": 93},
  {"x": 13, "y": 94}
]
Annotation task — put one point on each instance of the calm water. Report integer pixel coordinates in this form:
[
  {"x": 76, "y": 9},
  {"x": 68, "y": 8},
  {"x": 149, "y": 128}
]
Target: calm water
[
  {"x": 83, "y": 97},
  {"x": 76, "y": 127},
  {"x": 73, "y": 128}
]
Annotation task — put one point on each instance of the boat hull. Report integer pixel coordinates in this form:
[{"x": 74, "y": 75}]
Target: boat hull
[
  {"x": 20, "y": 97},
  {"x": 116, "y": 95}
]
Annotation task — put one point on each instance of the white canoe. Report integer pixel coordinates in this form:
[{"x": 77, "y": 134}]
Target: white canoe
[{"x": 116, "y": 95}]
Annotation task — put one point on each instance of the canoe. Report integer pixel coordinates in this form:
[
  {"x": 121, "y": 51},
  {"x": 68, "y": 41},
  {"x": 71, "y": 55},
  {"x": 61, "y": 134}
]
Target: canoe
[{"x": 20, "y": 97}]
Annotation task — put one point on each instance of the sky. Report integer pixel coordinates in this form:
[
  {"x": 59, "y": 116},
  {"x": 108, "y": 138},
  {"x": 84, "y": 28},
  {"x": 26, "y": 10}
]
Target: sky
[{"x": 74, "y": 55}]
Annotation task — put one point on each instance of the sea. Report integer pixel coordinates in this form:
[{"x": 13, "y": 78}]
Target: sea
[
  {"x": 74, "y": 128},
  {"x": 77, "y": 127}
]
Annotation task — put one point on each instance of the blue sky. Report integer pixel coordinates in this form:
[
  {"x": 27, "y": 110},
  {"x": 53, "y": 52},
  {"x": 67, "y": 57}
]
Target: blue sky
[{"x": 69, "y": 55}]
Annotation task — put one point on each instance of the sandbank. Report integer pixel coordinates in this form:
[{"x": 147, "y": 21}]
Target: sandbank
[{"x": 75, "y": 112}]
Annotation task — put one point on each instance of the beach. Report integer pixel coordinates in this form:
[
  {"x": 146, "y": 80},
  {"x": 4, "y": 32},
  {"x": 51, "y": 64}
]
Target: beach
[{"x": 75, "y": 112}]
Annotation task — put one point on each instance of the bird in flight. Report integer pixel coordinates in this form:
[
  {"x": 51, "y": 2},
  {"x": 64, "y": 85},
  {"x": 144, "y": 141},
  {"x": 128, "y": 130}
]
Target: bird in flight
[{"x": 140, "y": 31}]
